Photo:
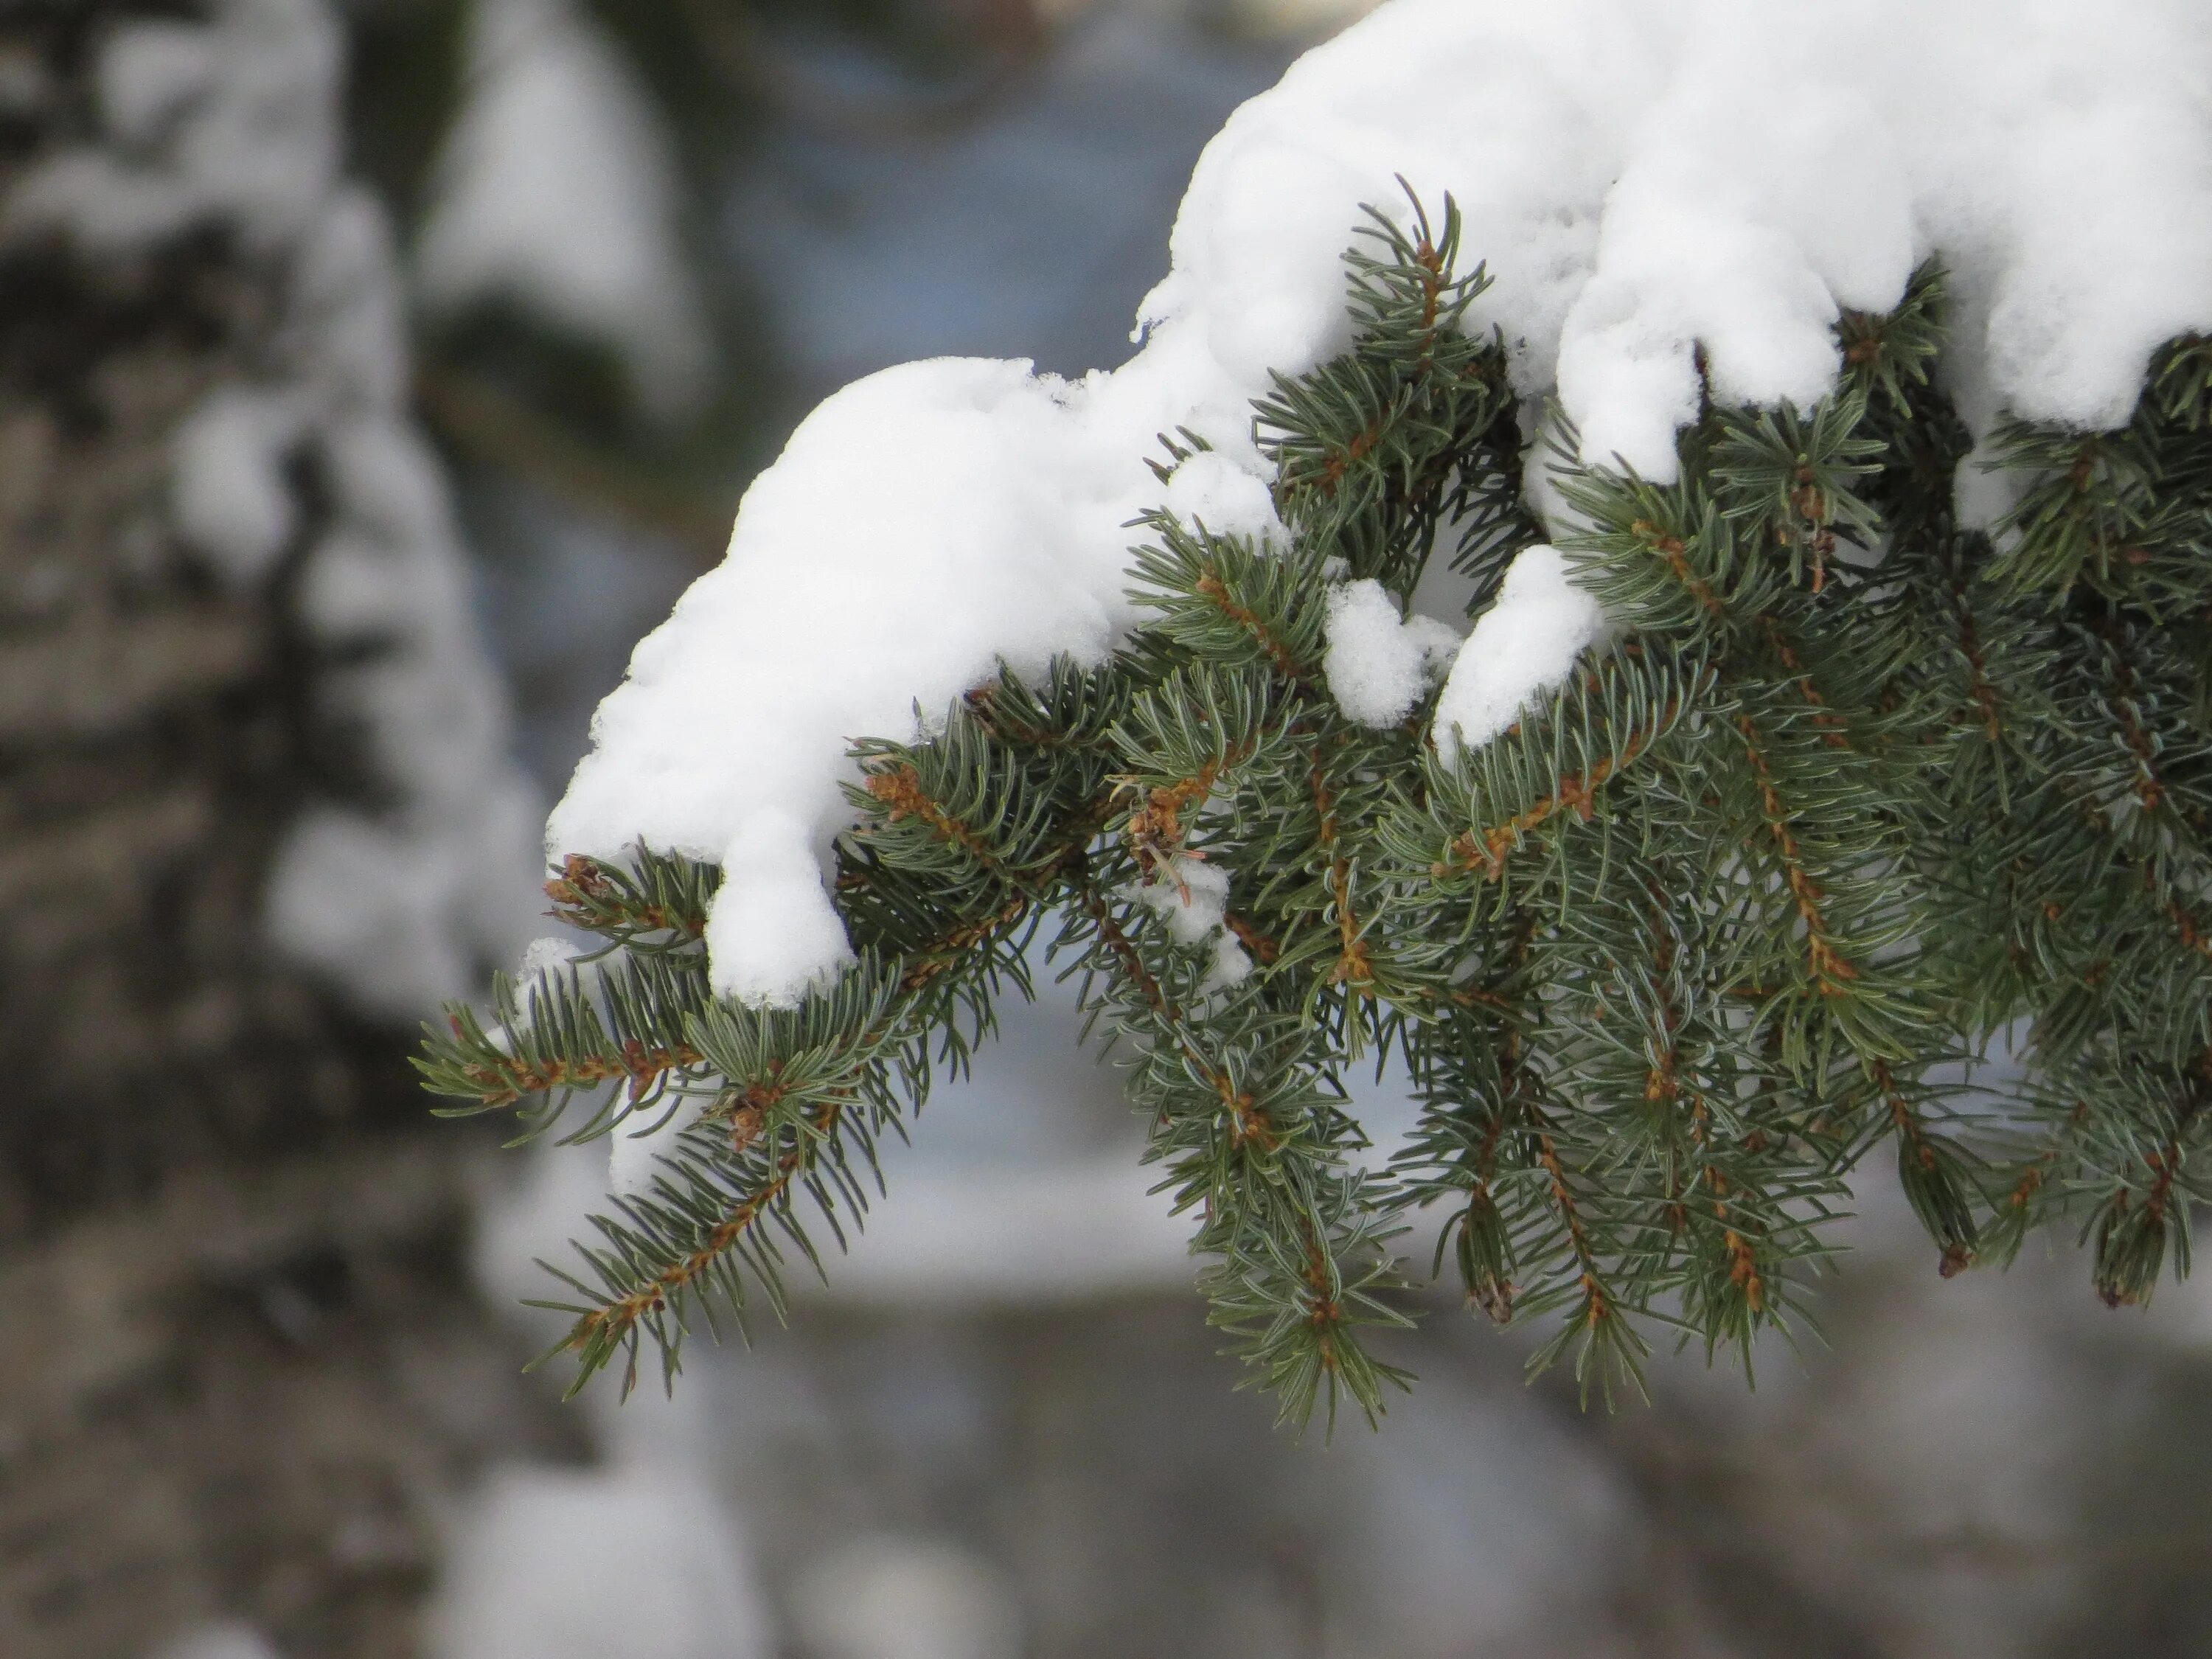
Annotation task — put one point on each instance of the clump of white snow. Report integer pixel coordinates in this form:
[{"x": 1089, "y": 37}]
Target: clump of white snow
[
  {"x": 1525, "y": 643},
  {"x": 1630, "y": 212},
  {"x": 1379, "y": 665},
  {"x": 1192, "y": 895},
  {"x": 773, "y": 927},
  {"x": 1231, "y": 963},
  {"x": 1646, "y": 179},
  {"x": 557, "y": 190},
  {"x": 1212, "y": 491},
  {"x": 545, "y": 961}
]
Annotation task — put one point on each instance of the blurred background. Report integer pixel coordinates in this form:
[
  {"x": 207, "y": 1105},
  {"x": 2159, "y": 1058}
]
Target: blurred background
[{"x": 373, "y": 374}]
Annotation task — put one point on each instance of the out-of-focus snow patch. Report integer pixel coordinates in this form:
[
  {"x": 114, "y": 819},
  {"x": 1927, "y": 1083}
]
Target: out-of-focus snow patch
[
  {"x": 639, "y": 1561},
  {"x": 636, "y": 1148},
  {"x": 227, "y": 1640},
  {"x": 907, "y": 1598},
  {"x": 1525, "y": 643},
  {"x": 372, "y": 904},
  {"x": 527, "y": 1214},
  {"x": 233, "y": 502},
  {"x": 404, "y": 906},
  {"x": 557, "y": 190},
  {"x": 1597, "y": 150},
  {"x": 953, "y": 1232},
  {"x": 971, "y": 1236}
]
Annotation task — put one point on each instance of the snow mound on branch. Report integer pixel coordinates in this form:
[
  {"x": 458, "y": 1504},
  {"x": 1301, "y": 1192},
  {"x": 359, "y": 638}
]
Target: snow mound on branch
[
  {"x": 1214, "y": 491},
  {"x": 1194, "y": 897},
  {"x": 1379, "y": 665},
  {"x": 1650, "y": 181},
  {"x": 1525, "y": 643},
  {"x": 922, "y": 527}
]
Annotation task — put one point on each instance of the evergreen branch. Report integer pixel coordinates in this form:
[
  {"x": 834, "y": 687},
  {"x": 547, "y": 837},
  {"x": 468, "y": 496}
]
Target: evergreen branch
[
  {"x": 899, "y": 791},
  {"x": 947, "y": 951},
  {"x": 665, "y": 893},
  {"x": 599, "y": 1333},
  {"x": 1577, "y": 792},
  {"x": 1609, "y": 721},
  {"x": 1212, "y": 587},
  {"x": 1352, "y": 968},
  {"x": 1928, "y": 1170},
  {"x": 1829, "y": 967},
  {"x": 503, "y": 1081},
  {"x": 1855, "y": 792},
  {"x": 565, "y": 1039}
]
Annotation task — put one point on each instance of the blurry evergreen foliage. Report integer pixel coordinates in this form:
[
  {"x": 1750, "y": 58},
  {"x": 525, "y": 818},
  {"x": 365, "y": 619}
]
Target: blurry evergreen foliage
[
  {"x": 510, "y": 392},
  {"x": 1854, "y": 794}
]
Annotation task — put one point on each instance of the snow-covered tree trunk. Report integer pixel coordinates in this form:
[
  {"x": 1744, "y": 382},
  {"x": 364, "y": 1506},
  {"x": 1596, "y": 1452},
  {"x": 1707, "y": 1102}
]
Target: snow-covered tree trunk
[{"x": 243, "y": 1363}]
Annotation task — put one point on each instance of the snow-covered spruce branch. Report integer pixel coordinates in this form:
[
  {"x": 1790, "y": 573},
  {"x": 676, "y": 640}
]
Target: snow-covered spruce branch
[
  {"x": 1665, "y": 954},
  {"x": 1835, "y": 705}
]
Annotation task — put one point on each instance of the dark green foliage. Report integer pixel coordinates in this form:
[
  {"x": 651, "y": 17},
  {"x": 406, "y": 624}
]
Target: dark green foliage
[{"x": 1866, "y": 826}]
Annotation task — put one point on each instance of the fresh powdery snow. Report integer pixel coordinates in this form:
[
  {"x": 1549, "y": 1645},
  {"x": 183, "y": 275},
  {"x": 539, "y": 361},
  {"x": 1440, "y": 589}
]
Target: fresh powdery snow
[
  {"x": 1643, "y": 176},
  {"x": 1379, "y": 665},
  {"x": 1523, "y": 644},
  {"x": 1192, "y": 896}
]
